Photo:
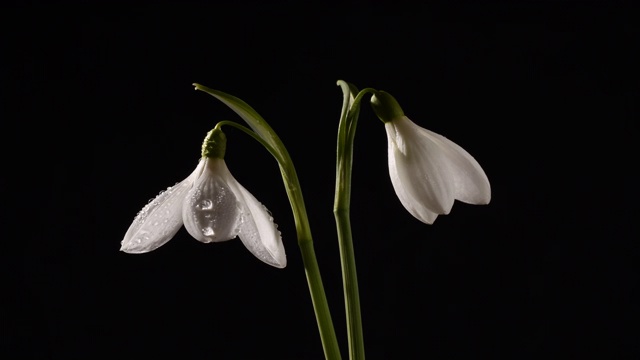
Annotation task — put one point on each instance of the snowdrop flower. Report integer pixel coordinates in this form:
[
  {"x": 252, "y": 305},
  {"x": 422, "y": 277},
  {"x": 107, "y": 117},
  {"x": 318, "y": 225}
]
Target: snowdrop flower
[
  {"x": 213, "y": 207},
  {"x": 428, "y": 171}
]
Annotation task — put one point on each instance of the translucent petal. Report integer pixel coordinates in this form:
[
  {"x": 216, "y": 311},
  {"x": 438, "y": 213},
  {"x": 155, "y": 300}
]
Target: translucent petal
[
  {"x": 408, "y": 200},
  {"x": 417, "y": 169},
  {"x": 470, "y": 183},
  {"x": 429, "y": 172},
  {"x": 257, "y": 231},
  {"x": 159, "y": 220},
  {"x": 211, "y": 210}
]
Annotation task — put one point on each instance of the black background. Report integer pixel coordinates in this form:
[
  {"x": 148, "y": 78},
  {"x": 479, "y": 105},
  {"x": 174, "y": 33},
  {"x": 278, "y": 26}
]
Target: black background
[{"x": 100, "y": 115}]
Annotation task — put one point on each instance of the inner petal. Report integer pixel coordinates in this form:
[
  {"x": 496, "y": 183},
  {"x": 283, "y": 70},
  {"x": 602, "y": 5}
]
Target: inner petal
[{"x": 211, "y": 210}]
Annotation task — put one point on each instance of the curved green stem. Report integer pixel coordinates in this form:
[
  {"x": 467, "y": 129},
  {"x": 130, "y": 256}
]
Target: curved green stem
[
  {"x": 250, "y": 132},
  {"x": 303, "y": 230},
  {"x": 342, "y": 201}
]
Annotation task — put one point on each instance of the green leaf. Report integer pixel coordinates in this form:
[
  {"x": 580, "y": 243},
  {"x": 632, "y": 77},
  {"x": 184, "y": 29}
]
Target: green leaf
[{"x": 251, "y": 117}]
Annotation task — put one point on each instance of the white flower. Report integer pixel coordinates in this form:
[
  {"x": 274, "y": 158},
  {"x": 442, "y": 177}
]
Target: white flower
[
  {"x": 429, "y": 171},
  {"x": 213, "y": 207}
]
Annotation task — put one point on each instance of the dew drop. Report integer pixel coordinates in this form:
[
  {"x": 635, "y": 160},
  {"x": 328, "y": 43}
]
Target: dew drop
[
  {"x": 208, "y": 231},
  {"x": 206, "y": 204}
]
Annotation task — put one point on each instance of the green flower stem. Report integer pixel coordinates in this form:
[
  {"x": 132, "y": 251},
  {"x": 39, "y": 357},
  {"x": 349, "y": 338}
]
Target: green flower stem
[
  {"x": 249, "y": 132},
  {"x": 312, "y": 271},
  {"x": 341, "y": 209},
  {"x": 303, "y": 230}
]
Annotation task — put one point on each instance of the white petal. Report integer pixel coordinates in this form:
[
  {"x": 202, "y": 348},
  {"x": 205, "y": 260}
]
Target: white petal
[
  {"x": 429, "y": 172},
  {"x": 471, "y": 184},
  {"x": 408, "y": 200},
  {"x": 258, "y": 232},
  {"x": 417, "y": 168},
  {"x": 211, "y": 210},
  {"x": 159, "y": 220}
]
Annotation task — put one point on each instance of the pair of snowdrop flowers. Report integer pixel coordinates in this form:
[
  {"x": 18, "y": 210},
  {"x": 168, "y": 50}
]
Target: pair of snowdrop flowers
[{"x": 428, "y": 173}]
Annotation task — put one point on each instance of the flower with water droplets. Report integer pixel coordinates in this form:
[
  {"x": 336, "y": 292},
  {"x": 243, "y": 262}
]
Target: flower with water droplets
[
  {"x": 427, "y": 170},
  {"x": 213, "y": 207}
]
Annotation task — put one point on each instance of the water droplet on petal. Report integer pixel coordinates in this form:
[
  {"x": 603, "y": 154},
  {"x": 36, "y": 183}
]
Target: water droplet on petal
[
  {"x": 211, "y": 210},
  {"x": 207, "y": 204}
]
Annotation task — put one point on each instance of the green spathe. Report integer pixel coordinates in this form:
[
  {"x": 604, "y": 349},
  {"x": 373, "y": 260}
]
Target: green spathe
[
  {"x": 254, "y": 120},
  {"x": 386, "y": 106},
  {"x": 214, "y": 144}
]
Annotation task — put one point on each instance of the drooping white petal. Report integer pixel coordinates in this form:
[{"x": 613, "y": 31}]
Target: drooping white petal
[
  {"x": 211, "y": 210},
  {"x": 429, "y": 172},
  {"x": 159, "y": 220},
  {"x": 404, "y": 193},
  {"x": 257, "y": 231},
  {"x": 471, "y": 184}
]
